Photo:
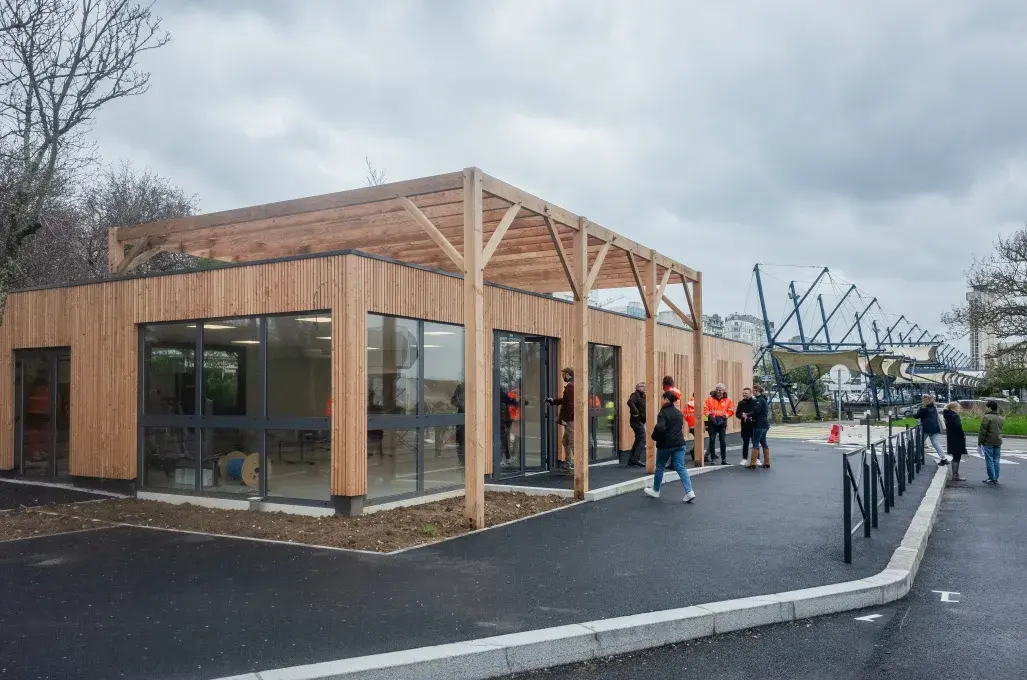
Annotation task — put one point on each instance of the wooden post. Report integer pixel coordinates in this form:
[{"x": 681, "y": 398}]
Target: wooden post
[
  {"x": 581, "y": 379},
  {"x": 697, "y": 362},
  {"x": 653, "y": 394},
  {"x": 474, "y": 353},
  {"x": 115, "y": 250}
]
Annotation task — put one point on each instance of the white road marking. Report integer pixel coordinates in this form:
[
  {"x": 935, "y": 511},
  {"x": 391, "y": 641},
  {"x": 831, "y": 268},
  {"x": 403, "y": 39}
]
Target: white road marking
[
  {"x": 869, "y": 617},
  {"x": 946, "y": 595}
]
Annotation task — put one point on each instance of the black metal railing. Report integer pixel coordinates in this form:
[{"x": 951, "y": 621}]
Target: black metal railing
[{"x": 876, "y": 483}]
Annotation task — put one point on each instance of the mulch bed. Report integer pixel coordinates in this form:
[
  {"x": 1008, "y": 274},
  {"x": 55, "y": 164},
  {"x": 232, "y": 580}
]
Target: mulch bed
[
  {"x": 380, "y": 532},
  {"x": 26, "y": 523}
]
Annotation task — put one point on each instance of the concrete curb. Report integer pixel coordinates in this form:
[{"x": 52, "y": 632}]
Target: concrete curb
[{"x": 531, "y": 650}]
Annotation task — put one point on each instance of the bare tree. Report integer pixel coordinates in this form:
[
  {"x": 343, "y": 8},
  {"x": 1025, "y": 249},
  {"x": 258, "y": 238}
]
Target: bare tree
[
  {"x": 997, "y": 301},
  {"x": 72, "y": 245},
  {"x": 374, "y": 176},
  {"x": 61, "y": 61}
]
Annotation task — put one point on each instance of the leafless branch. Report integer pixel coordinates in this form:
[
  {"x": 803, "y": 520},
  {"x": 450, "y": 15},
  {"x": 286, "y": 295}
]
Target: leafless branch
[{"x": 374, "y": 177}]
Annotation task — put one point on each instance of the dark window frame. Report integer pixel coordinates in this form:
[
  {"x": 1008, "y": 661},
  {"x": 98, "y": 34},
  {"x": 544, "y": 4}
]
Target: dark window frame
[
  {"x": 199, "y": 422},
  {"x": 421, "y": 421}
]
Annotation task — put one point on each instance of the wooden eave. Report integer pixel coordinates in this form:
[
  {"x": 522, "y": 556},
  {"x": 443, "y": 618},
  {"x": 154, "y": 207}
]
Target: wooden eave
[{"x": 427, "y": 231}]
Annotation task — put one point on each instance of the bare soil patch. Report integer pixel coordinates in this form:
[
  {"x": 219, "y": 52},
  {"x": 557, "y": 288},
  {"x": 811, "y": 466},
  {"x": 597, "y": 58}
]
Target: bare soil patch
[
  {"x": 380, "y": 532},
  {"x": 26, "y": 523}
]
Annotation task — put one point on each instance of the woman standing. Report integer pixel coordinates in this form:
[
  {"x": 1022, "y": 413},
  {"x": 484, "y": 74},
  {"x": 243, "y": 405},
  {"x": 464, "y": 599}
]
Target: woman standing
[
  {"x": 954, "y": 437},
  {"x": 761, "y": 426},
  {"x": 670, "y": 446}
]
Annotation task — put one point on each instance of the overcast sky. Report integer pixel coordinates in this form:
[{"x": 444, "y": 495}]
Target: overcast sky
[{"x": 884, "y": 140}]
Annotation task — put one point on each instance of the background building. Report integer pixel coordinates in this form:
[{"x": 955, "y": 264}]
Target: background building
[{"x": 982, "y": 342}]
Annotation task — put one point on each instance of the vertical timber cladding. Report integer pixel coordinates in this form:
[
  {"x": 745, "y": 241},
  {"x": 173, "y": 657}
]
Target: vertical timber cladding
[{"x": 99, "y": 322}]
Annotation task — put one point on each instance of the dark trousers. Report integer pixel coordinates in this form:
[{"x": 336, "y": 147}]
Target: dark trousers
[
  {"x": 746, "y": 440},
  {"x": 717, "y": 429},
  {"x": 638, "y": 447}
]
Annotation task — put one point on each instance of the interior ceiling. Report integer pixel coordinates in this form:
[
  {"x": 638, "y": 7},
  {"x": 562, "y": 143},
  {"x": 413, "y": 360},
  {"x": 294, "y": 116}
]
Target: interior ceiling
[{"x": 526, "y": 257}]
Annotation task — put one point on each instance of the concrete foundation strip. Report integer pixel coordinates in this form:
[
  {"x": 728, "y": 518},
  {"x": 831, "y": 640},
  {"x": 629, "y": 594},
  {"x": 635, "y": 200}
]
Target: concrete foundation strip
[{"x": 531, "y": 650}]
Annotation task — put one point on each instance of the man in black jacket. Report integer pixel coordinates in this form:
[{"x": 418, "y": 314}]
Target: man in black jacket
[
  {"x": 669, "y": 436},
  {"x": 636, "y": 409},
  {"x": 760, "y": 426},
  {"x": 744, "y": 412}
]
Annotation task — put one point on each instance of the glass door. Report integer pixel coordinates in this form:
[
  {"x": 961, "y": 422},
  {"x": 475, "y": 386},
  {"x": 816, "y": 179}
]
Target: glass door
[
  {"x": 603, "y": 404},
  {"x": 42, "y": 411},
  {"x": 521, "y": 419}
]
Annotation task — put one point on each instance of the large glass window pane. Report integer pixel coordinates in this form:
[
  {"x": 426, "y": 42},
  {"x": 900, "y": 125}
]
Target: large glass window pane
[
  {"x": 392, "y": 365},
  {"x": 391, "y": 462},
  {"x": 603, "y": 376},
  {"x": 231, "y": 461},
  {"x": 37, "y": 428},
  {"x": 300, "y": 463},
  {"x": 299, "y": 365},
  {"x": 231, "y": 368},
  {"x": 443, "y": 457},
  {"x": 169, "y": 369},
  {"x": 443, "y": 368},
  {"x": 169, "y": 457}
]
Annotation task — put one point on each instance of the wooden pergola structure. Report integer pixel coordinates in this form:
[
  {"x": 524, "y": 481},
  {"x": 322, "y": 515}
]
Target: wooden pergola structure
[{"x": 467, "y": 223}]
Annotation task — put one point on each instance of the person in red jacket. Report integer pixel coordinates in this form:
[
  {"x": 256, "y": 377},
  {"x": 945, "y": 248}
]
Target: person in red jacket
[
  {"x": 690, "y": 420},
  {"x": 717, "y": 409},
  {"x": 565, "y": 417}
]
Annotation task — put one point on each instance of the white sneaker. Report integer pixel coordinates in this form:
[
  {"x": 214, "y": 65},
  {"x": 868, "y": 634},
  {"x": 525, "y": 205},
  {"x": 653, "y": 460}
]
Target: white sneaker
[
  {"x": 649, "y": 492},
  {"x": 689, "y": 497}
]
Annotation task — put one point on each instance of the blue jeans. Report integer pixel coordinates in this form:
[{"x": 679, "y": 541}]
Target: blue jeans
[
  {"x": 936, "y": 443},
  {"x": 991, "y": 456},
  {"x": 759, "y": 437},
  {"x": 663, "y": 456}
]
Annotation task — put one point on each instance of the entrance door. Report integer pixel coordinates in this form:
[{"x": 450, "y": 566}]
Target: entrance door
[
  {"x": 42, "y": 393},
  {"x": 603, "y": 404},
  {"x": 522, "y": 421}
]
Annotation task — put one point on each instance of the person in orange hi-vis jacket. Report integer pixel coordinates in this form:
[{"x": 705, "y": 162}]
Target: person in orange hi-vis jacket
[
  {"x": 717, "y": 409},
  {"x": 690, "y": 420}
]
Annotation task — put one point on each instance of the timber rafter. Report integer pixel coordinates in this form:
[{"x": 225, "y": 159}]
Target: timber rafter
[{"x": 419, "y": 221}]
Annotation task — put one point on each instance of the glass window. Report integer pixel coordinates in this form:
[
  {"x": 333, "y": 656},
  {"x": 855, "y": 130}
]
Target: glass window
[
  {"x": 393, "y": 360},
  {"x": 169, "y": 369},
  {"x": 443, "y": 457},
  {"x": 231, "y": 461},
  {"x": 443, "y": 368},
  {"x": 169, "y": 457},
  {"x": 231, "y": 368},
  {"x": 299, "y": 365},
  {"x": 603, "y": 376},
  {"x": 299, "y": 464},
  {"x": 391, "y": 462}
]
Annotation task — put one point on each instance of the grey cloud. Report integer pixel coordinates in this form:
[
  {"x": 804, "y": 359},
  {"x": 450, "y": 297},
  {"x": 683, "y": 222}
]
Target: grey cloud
[{"x": 886, "y": 140}]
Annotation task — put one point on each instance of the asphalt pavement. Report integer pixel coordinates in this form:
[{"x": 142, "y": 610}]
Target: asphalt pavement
[
  {"x": 966, "y": 617},
  {"x": 147, "y": 604},
  {"x": 15, "y": 495}
]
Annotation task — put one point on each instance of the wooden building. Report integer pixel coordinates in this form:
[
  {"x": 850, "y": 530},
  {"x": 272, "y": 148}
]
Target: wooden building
[{"x": 356, "y": 348}]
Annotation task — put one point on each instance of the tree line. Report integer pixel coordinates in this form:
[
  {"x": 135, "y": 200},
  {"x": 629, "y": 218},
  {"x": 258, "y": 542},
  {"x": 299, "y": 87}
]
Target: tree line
[{"x": 61, "y": 63}]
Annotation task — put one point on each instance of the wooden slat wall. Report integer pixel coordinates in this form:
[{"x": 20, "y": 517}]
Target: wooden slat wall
[{"x": 99, "y": 323}]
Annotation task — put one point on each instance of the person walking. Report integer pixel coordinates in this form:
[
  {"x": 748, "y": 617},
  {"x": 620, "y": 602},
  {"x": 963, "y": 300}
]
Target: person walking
[
  {"x": 989, "y": 439},
  {"x": 636, "y": 409},
  {"x": 931, "y": 426},
  {"x": 565, "y": 417},
  {"x": 744, "y": 413},
  {"x": 669, "y": 436},
  {"x": 955, "y": 438},
  {"x": 717, "y": 409},
  {"x": 761, "y": 426}
]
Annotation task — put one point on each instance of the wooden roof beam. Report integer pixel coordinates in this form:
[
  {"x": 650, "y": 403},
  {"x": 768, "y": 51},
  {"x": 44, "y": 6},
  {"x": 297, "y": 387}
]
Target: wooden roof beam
[
  {"x": 564, "y": 261},
  {"x": 352, "y": 197},
  {"x": 433, "y": 232},
  {"x": 499, "y": 233},
  {"x": 638, "y": 283}
]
